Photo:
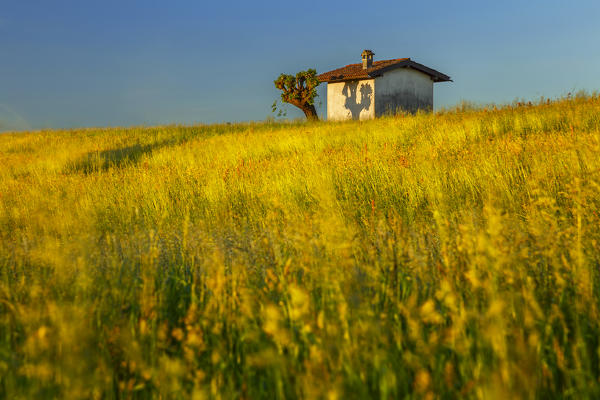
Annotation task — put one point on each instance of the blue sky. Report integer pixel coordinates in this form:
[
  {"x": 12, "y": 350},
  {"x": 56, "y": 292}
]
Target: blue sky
[{"x": 119, "y": 63}]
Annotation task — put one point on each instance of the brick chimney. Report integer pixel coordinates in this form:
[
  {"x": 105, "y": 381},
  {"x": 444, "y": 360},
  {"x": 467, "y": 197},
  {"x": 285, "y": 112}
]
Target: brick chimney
[{"x": 367, "y": 59}]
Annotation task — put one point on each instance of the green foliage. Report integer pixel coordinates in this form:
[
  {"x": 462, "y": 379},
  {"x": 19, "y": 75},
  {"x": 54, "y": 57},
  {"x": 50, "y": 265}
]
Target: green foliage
[
  {"x": 300, "y": 88},
  {"x": 281, "y": 112},
  {"x": 448, "y": 255}
]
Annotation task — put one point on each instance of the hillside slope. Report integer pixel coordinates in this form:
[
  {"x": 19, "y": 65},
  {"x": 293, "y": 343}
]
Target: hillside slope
[{"x": 438, "y": 255}]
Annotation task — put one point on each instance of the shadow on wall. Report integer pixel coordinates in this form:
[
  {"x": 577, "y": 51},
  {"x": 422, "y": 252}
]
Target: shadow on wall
[{"x": 352, "y": 104}]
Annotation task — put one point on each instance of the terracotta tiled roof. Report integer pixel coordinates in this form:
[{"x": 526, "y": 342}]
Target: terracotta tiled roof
[{"x": 356, "y": 71}]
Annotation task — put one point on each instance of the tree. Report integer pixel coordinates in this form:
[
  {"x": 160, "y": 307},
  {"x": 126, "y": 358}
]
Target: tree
[{"x": 300, "y": 91}]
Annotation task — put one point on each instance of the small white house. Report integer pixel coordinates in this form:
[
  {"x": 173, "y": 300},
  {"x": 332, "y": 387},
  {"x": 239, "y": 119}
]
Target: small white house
[{"x": 372, "y": 89}]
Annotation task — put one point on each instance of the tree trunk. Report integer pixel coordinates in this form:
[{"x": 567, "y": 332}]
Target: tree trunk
[
  {"x": 309, "y": 109},
  {"x": 310, "y": 112}
]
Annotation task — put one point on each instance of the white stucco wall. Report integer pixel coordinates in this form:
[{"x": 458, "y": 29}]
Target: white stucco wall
[
  {"x": 403, "y": 88},
  {"x": 351, "y": 100}
]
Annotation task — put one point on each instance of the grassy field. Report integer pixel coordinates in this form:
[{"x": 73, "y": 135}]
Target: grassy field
[{"x": 448, "y": 255}]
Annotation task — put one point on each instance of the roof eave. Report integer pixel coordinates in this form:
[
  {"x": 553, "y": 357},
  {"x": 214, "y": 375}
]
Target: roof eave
[
  {"x": 435, "y": 79},
  {"x": 436, "y": 76},
  {"x": 348, "y": 79}
]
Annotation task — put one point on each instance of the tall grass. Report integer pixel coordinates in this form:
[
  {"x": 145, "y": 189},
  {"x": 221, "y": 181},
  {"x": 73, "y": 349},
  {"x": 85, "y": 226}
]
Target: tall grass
[{"x": 432, "y": 256}]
